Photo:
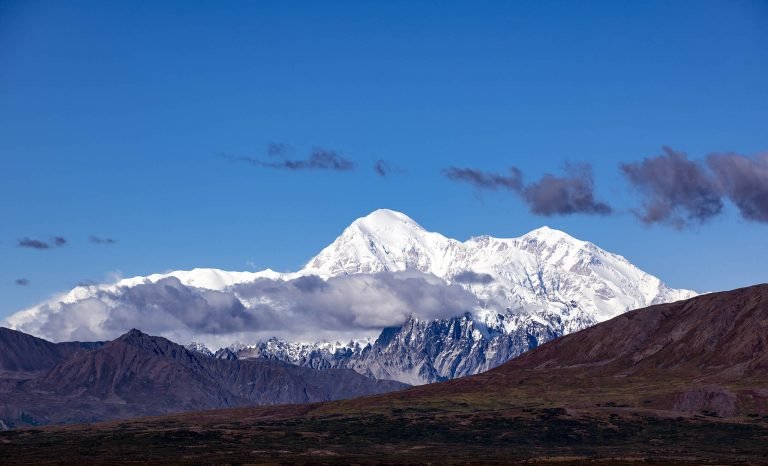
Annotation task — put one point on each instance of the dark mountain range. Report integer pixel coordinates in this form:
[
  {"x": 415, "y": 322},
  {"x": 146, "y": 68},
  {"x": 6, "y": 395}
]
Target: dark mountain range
[
  {"x": 685, "y": 382},
  {"x": 138, "y": 374},
  {"x": 20, "y": 352}
]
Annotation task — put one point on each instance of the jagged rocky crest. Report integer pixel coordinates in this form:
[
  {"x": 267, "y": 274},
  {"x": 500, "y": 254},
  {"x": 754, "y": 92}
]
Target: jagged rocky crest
[{"x": 417, "y": 352}]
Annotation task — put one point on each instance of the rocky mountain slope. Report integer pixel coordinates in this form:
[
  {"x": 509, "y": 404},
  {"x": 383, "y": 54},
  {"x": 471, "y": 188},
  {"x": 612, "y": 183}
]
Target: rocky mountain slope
[
  {"x": 525, "y": 291},
  {"x": 137, "y": 374}
]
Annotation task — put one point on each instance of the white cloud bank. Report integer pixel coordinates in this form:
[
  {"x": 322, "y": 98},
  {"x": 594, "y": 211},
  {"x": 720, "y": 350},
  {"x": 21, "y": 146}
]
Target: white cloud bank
[{"x": 307, "y": 308}]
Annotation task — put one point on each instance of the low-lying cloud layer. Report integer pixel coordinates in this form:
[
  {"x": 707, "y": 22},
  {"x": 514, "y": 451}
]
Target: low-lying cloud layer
[
  {"x": 306, "y": 308},
  {"x": 551, "y": 195}
]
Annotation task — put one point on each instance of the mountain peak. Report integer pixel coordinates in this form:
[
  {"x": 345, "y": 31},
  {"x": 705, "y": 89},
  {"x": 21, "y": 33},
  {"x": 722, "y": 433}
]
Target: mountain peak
[
  {"x": 384, "y": 240},
  {"x": 549, "y": 235},
  {"x": 386, "y": 220},
  {"x": 132, "y": 333},
  {"x": 136, "y": 337}
]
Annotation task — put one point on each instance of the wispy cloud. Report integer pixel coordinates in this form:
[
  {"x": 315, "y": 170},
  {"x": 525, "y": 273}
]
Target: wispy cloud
[
  {"x": 101, "y": 240},
  {"x": 487, "y": 180},
  {"x": 276, "y": 149},
  {"x": 551, "y": 195},
  {"x": 385, "y": 169},
  {"x": 319, "y": 159}
]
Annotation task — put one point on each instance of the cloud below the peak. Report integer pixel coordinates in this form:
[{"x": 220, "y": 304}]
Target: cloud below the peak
[
  {"x": 470, "y": 277},
  {"x": 305, "y": 308}
]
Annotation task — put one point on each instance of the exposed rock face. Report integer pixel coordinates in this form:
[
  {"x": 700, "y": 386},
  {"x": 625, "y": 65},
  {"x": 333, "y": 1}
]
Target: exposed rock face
[
  {"x": 199, "y": 348},
  {"x": 225, "y": 353},
  {"x": 138, "y": 374},
  {"x": 419, "y": 351}
]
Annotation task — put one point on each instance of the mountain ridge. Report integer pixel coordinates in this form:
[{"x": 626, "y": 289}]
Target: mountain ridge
[
  {"x": 525, "y": 291},
  {"x": 137, "y": 375}
]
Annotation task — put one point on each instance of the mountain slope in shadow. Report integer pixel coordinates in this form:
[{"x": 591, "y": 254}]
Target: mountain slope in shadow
[
  {"x": 137, "y": 374},
  {"x": 20, "y": 352}
]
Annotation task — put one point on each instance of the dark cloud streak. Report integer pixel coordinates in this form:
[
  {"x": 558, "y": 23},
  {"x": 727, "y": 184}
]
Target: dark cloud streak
[
  {"x": 485, "y": 180},
  {"x": 319, "y": 159},
  {"x": 33, "y": 244},
  {"x": 57, "y": 241},
  {"x": 551, "y": 195}
]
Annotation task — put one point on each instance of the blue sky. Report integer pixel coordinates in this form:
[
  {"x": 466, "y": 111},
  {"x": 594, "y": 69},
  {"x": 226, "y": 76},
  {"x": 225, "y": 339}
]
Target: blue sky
[{"x": 114, "y": 117}]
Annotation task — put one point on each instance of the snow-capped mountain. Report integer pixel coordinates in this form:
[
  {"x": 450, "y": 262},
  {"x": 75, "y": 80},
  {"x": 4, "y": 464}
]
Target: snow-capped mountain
[
  {"x": 528, "y": 290},
  {"x": 545, "y": 267}
]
